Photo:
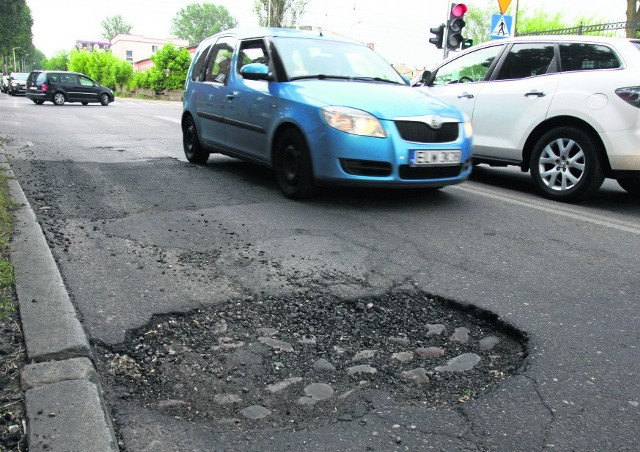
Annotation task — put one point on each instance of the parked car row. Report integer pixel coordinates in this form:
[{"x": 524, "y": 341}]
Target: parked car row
[
  {"x": 57, "y": 87},
  {"x": 14, "y": 83}
]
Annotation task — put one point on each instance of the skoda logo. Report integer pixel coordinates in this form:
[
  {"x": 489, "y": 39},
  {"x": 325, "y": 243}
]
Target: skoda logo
[{"x": 435, "y": 122}]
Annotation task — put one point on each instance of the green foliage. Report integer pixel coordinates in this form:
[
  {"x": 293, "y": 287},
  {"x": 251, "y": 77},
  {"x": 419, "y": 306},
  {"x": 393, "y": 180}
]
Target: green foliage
[
  {"x": 114, "y": 25},
  {"x": 103, "y": 67},
  {"x": 6, "y": 273},
  {"x": 140, "y": 80},
  {"x": 195, "y": 22},
  {"x": 6, "y": 269},
  {"x": 58, "y": 62},
  {"x": 540, "y": 20},
  {"x": 284, "y": 13},
  {"x": 170, "y": 70}
]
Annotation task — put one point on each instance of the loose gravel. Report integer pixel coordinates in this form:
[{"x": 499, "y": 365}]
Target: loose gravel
[{"x": 310, "y": 359}]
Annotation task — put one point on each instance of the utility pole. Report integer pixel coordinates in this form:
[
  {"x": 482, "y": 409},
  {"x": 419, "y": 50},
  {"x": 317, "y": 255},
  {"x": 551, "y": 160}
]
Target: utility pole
[{"x": 14, "y": 58}]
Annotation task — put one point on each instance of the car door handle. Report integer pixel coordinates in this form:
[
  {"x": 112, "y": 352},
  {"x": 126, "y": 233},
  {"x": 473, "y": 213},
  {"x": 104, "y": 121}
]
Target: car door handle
[
  {"x": 466, "y": 95},
  {"x": 535, "y": 92},
  {"x": 232, "y": 95}
]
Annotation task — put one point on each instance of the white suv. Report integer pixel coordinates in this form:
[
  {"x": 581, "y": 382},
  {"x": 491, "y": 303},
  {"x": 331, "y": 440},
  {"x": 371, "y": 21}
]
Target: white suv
[{"x": 565, "y": 108}]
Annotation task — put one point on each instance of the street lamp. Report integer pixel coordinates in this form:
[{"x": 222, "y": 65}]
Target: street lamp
[{"x": 14, "y": 57}]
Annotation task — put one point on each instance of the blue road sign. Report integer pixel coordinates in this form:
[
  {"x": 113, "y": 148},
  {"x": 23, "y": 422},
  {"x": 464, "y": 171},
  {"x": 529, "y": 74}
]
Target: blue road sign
[{"x": 501, "y": 26}]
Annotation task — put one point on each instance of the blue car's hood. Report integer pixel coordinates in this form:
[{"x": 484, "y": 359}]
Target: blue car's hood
[{"x": 383, "y": 100}]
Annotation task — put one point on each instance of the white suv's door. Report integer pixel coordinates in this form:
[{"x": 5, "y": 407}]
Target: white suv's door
[
  {"x": 515, "y": 101},
  {"x": 459, "y": 81}
]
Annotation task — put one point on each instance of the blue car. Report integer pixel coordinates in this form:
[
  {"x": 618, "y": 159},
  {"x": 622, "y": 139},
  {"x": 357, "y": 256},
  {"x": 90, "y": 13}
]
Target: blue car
[{"x": 318, "y": 110}]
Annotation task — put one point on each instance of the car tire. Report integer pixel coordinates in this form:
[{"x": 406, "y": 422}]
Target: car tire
[
  {"x": 59, "y": 98},
  {"x": 191, "y": 143},
  {"x": 293, "y": 166},
  {"x": 565, "y": 165},
  {"x": 104, "y": 99},
  {"x": 630, "y": 185},
  {"x": 85, "y": 103},
  {"x": 38, "y": 101}
]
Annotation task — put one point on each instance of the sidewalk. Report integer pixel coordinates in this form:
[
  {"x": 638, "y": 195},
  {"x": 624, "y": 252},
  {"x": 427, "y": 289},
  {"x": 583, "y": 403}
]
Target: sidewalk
[{"x": 65, "y": 410}]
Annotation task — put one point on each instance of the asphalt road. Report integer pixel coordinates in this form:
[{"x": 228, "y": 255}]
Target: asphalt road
[{"x": 121, "y": 207}]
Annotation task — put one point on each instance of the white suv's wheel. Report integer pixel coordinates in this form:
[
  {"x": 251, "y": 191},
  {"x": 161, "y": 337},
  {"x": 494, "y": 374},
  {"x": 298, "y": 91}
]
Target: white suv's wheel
[{"x": 565, "y": 165}]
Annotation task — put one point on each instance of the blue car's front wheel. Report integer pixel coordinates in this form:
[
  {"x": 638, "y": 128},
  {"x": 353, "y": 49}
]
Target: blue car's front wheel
[{"x": 293, "y": 166}]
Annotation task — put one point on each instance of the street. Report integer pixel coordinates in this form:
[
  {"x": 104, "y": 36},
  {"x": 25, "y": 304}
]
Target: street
[{"x": 137, "y": 231}]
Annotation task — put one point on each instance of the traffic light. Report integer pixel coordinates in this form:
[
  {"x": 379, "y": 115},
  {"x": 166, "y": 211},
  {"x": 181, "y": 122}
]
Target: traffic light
[
  {"x": 438, "y": 39},
  {"x": 455, "y": 25}
]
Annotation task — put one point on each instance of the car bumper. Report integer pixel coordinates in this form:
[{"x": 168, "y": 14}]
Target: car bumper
[
  {"x": 39, "y": 96},
  {"x": 343, "y": 159},
  {"x": 623, "y": 149}
]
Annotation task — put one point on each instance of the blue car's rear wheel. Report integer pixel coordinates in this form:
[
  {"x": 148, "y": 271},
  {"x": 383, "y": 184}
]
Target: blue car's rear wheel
[{"x": 293, "y": 166}]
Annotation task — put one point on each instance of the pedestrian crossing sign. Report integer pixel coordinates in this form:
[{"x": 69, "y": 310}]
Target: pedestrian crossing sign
[{"x": 501, "y": 26}]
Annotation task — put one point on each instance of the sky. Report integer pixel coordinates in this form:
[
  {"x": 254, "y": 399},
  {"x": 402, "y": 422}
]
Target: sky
[{"x": 399, "y": 30}]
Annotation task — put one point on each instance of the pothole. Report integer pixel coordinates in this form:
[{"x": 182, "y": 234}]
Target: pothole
[{"x": 308, "y": 360}]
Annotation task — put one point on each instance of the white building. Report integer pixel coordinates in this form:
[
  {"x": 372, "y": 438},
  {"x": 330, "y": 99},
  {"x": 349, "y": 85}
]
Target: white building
[{"x": 134, "y": 48}]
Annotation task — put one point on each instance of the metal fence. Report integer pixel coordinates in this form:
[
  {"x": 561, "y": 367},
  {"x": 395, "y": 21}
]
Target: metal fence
[{"x": 617, "y": 29}]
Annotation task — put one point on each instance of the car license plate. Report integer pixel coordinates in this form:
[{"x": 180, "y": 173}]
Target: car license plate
[{"x": 425, "y": 158}]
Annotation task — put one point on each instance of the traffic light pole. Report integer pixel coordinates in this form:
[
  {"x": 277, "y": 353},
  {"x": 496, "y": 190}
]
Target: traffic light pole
[{"x": 445, "y": 34}]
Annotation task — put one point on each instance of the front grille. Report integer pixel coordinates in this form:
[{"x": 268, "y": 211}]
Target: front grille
[
  {"x": 366, "y": 167},
  {"x": 434, "y": 172},
  {"x": 420, "y": 132}
]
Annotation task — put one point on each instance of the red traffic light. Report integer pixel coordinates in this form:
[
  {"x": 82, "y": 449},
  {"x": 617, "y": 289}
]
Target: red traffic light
[{"x": 458, "y": 9}]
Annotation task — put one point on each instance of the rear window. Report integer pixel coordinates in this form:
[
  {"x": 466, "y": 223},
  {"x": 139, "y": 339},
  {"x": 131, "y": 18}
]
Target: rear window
[
  {"x": 636, "y": 43},
  {"x": 584, "y": 57},
  {"x": 41, "y": 77}
]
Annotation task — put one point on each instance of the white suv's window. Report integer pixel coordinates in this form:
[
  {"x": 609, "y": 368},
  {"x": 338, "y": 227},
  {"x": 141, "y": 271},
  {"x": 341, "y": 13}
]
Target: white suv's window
[
  {"x": 472, "y": 67},
  {"x": 582, "y": 57},
  {"x": 527, "y": 60}
]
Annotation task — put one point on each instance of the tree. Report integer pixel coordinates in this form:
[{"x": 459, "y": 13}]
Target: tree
[
  {"x": 283, "y": 13},
  {"x": 170, "y": 68},
  {"x": 195, "y": 22},
  {"x": 103, "y": 67},
  {"x": 633, "y": 13},
  {"x": 58, "y": 62},
  {"x": 114, "y": 25},
  {"x": 15, "y": 30}
]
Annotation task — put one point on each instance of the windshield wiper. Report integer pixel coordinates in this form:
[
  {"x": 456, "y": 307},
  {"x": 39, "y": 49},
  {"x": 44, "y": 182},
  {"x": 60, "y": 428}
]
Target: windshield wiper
[
  {"x": 344, "y": 77},
  {"x": 376, "y": 79},
  {"x": 320, "y": 77}
]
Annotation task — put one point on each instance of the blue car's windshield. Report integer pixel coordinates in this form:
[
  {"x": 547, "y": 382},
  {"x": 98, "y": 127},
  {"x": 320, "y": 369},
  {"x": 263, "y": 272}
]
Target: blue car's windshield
[{"x": 321, "y": 58}]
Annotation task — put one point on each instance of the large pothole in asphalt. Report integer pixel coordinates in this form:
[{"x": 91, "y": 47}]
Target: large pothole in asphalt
[{"x": 304, "y": 361}]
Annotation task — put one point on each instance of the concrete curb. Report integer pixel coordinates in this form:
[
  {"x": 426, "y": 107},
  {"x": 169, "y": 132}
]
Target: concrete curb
[{"x": 64, "y": 406}]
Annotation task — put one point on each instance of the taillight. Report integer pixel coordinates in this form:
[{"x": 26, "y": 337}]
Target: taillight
[
  {"x": 630, "y": 95},
  {"x": 44, "y": 87}
]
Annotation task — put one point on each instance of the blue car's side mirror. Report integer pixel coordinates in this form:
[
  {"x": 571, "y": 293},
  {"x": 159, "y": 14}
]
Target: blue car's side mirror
[{"x": 255, "y": 71}]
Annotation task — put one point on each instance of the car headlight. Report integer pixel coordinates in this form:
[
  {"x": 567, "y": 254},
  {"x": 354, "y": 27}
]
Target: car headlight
[
  {"x": 356, "y": 122},
  {"x": 468, "y": 128}
]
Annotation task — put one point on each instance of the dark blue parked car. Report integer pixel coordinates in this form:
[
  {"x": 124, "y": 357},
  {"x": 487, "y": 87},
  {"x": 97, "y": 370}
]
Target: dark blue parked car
[{"x": 318, "y": 110}]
